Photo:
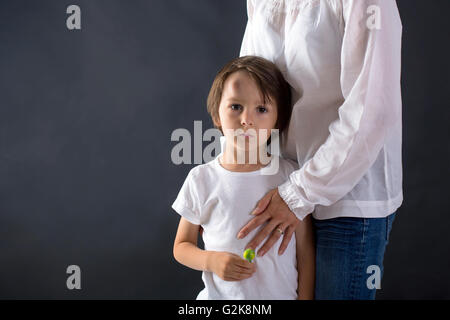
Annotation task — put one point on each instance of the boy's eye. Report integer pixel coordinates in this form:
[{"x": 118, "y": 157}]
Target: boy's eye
[
  {"x": 235, "y": 106},
  {"x": 262, "y": 109}
]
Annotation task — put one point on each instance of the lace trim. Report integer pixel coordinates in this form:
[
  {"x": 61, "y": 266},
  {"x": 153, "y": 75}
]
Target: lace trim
[{"x": 285, "y": 6}]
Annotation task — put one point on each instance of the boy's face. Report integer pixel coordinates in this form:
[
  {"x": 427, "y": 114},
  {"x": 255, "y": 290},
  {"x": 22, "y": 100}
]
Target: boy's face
[{"x": 242, "y": 107}]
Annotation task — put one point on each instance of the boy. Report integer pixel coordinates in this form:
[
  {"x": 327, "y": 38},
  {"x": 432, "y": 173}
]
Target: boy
[{"x": 249, "y": 96}]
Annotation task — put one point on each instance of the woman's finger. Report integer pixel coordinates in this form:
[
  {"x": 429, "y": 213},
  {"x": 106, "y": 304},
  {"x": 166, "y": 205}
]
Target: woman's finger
[
  {"x": 253, "y": 224},
  {"x": 263, "y": 203},
  {"x": 276, "y": 234},
  {"x": 264, "y": 233},
  {"x": 286, "y": 239}
]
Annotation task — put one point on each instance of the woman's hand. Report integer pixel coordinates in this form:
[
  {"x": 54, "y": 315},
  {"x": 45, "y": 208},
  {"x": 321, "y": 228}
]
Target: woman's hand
[
  {"x": 229, "y": 266},
  {"x": 281, "y": 220}
]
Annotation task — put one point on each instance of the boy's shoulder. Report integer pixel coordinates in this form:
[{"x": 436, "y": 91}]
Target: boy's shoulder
[{"x": 203, "y": 170}]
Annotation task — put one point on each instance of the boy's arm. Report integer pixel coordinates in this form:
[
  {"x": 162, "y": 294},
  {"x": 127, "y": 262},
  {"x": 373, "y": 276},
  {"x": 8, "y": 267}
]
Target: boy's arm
[
  {"x": 185, "y": 249},
  {"x": 306, "y": 259},
  {"x": 227, "y": 266}
]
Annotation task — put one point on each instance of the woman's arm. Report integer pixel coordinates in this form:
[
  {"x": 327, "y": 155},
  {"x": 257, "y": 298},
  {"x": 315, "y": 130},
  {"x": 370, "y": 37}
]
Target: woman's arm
[
  {"x": 369, "y": 115},
  {"x": 227, "y": 266},
  {"x": 306, "y": 259}
]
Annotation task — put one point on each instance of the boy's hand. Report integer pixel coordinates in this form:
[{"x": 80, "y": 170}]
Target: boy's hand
[{"x": 229, "y": 266}]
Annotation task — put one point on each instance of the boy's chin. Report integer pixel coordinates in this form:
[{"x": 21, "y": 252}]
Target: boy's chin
[{"x": 248, "y": 147}]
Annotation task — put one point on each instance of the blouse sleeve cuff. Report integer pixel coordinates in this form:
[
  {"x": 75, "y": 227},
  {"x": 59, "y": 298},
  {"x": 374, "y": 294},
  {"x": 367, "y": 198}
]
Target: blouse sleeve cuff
[{"x": 288, "y": 192}]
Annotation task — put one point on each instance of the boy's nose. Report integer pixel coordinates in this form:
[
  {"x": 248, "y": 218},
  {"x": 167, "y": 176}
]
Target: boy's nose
[{"x": 246, "y": 119}]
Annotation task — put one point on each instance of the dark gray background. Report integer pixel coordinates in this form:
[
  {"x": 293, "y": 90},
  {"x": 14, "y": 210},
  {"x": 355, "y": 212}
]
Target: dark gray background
[{"x": 85, "y": 122}]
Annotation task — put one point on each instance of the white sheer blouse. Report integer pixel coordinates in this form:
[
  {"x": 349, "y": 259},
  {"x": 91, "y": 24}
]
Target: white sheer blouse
[{"x": 342, "y": 59}]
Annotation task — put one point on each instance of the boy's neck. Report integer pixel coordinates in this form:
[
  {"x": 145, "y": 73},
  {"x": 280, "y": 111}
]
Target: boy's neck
[{"x": 231, "y": 162}]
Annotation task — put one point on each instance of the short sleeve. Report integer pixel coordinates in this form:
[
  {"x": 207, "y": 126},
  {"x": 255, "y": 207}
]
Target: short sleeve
[{"x": 188, "y": 204}]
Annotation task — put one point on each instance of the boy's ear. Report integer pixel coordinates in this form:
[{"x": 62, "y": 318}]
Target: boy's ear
[{"x": 216, "y": 122}]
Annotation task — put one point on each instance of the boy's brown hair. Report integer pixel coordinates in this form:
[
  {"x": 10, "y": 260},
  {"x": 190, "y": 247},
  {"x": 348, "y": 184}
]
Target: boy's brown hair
[{"x": 269, "y": 80}]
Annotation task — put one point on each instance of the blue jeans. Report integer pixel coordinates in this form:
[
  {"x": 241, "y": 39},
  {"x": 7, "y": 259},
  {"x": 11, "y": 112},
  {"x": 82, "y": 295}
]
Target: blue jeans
[{"x": 345, "y": 248}]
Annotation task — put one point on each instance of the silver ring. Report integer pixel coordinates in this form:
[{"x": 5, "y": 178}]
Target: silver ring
[{"x": 280, "y": 231}]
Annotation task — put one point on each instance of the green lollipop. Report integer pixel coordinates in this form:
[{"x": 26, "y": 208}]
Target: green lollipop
[{"x": 249, "y": 255}]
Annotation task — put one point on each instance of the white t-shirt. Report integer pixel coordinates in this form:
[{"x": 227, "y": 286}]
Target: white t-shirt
[{"x": 221, "y": 202}]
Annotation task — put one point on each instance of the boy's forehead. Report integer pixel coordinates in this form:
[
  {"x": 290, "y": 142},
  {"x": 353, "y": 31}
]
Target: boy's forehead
[{"x": 240, "y": 85}]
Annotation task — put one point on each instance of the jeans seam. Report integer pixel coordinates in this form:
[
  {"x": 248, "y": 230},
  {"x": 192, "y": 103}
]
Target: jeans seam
[
  {"x": 355, "y": 287},
  {"x": 387, "y": 229}
]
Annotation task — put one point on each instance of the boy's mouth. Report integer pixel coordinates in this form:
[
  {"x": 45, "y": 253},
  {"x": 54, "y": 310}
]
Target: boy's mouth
[{"x": 246, "y": 135}]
